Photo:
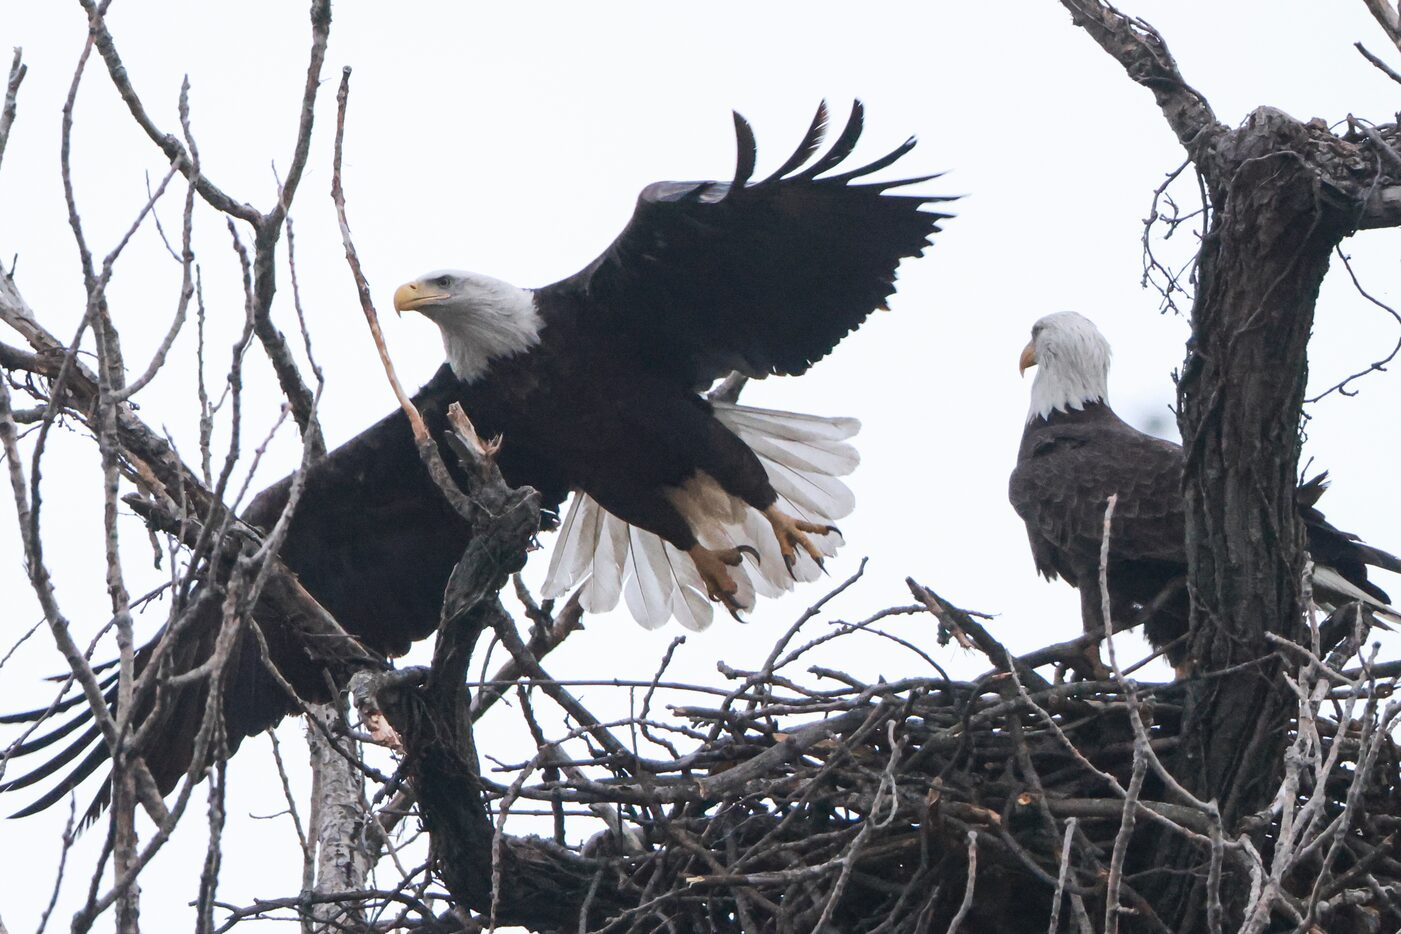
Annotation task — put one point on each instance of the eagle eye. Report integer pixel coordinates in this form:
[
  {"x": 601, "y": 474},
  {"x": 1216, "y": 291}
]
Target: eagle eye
[{"x": 443, "y": 281}]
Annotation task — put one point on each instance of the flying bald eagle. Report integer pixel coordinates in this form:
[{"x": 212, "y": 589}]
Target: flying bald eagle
[
  {"x": 1075, "y": 453},
  {"x": 593, "y": 383}
]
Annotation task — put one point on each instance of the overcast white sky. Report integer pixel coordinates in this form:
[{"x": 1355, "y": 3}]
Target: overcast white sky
[{"x": 512, "y": 139}]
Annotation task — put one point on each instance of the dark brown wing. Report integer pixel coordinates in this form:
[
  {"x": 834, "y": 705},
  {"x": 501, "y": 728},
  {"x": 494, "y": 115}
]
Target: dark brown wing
[
  {"x": 252, "y": 701},
  {"x": 762, "y": 277},
  {"x": 372, "y": 540},
  {"x": 372, "y": 537},
  {"x": 1066, "y": 471}
]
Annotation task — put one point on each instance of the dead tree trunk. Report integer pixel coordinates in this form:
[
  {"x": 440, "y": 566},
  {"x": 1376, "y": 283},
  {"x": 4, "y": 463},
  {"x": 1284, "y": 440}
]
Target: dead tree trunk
[
  {"x": 1282, "y": 194},
  {"x": 1240, "y": 403},
  {"x": 524, "y": 881}
]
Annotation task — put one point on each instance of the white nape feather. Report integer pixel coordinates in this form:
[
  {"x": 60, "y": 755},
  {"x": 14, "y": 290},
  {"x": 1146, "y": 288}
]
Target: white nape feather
[
  {"x": 1072, "y": 364},
  {"x": 802, "y": 454},
  {"x": 483, "y": 319}
]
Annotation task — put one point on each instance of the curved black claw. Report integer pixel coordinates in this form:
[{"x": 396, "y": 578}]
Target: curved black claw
[
  {"x": 791, "y": 561},
  {"x": 731, "y": 605},
  {"x": 792, "y": 534}
]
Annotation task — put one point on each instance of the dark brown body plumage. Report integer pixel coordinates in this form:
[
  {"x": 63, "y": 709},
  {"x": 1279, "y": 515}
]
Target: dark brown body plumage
[
  {"x": 578, "y": 412},
  {"x": 1068, "y": 466}
]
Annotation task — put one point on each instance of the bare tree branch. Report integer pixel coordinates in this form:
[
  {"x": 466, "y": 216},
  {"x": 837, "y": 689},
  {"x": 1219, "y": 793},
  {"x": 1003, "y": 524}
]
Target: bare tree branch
[{"x": 7, "y": 114}]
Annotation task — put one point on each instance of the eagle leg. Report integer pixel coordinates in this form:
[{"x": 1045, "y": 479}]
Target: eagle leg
[
  {"x": 1088, "y": 663},
  {"x": 712, "y": 564},
  {"x": 792, "y": 535}
]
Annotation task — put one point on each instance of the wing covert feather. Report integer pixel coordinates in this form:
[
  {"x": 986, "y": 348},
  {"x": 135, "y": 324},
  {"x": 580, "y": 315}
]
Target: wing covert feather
[
  {"x": 763, "y": 277},
  {"x": 1062, "y": 484}
]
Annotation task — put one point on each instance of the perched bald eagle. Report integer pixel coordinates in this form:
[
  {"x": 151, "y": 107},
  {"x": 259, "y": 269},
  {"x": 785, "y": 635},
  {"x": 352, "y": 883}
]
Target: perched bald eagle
[
  {"x": 1075, "y": 453},
  {"x": 593, "y": 384},
  {"x": 593, "y": 381}
]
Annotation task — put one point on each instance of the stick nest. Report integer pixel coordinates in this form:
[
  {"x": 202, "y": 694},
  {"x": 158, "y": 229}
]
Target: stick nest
[{"x": 1017, "y": 801}]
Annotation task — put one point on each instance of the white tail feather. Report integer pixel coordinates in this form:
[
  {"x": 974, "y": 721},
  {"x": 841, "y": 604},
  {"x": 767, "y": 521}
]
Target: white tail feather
[
  {"x": 771, "y": 577},
  {"x": 748, "y": 420},
  {"x": 812, "y": 494},
  {"x": 802, "y": 454},
  {"x": 649, "y": 582},
  {"x": 834, "y": 460},
  {"x": 1327, "y": 578},
  {"x": 606, "y": 564},
  {"x": 574, "y": 547},
  {"x": 691, "y": 609}
]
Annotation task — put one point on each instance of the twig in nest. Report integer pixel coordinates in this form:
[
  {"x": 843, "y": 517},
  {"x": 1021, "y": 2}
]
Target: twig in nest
[
  {"x": 961, "y": 621},
  {"x": 18, "y": 69},
  {"x": 972, "y": 881}
]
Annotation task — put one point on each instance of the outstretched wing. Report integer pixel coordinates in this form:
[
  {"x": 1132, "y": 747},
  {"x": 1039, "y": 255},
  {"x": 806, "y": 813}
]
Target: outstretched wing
[
  {"x": 761, "y": 277},
  {"x": 372, "y": 540}
]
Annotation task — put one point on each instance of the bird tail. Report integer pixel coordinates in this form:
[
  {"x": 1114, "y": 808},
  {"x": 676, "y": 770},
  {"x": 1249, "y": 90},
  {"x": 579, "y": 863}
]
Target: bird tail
[
  {"x": 1341, "y": 560},
  {"x": 803, "y": 455},
  {"x": 1331, "y": 590}
]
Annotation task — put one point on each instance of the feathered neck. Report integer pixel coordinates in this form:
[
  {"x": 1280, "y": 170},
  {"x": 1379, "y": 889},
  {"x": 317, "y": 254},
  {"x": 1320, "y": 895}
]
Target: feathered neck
[
  {"x": 1072, "y": 365},
  {"x": 484, "y": 319}
]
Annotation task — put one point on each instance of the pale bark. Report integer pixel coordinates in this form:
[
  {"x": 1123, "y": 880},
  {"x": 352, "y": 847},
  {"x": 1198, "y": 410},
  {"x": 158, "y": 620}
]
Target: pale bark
[{"x": 342, "y": 819}]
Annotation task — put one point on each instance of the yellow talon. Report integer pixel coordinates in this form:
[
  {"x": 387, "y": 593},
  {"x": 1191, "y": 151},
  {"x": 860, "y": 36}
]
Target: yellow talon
[
  {"x": 713, "y": 564},
  {"x": 792, "y": 534}
]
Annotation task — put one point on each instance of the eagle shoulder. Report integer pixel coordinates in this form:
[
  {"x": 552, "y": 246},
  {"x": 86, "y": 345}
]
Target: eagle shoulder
[{"x": 1067, "y": 469}]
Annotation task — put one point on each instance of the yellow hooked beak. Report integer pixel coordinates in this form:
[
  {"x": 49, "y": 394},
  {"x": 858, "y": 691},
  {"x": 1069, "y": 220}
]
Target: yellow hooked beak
[
  {"x": 413, "y": 295},
  {"x": 1027, "y": 361}
]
